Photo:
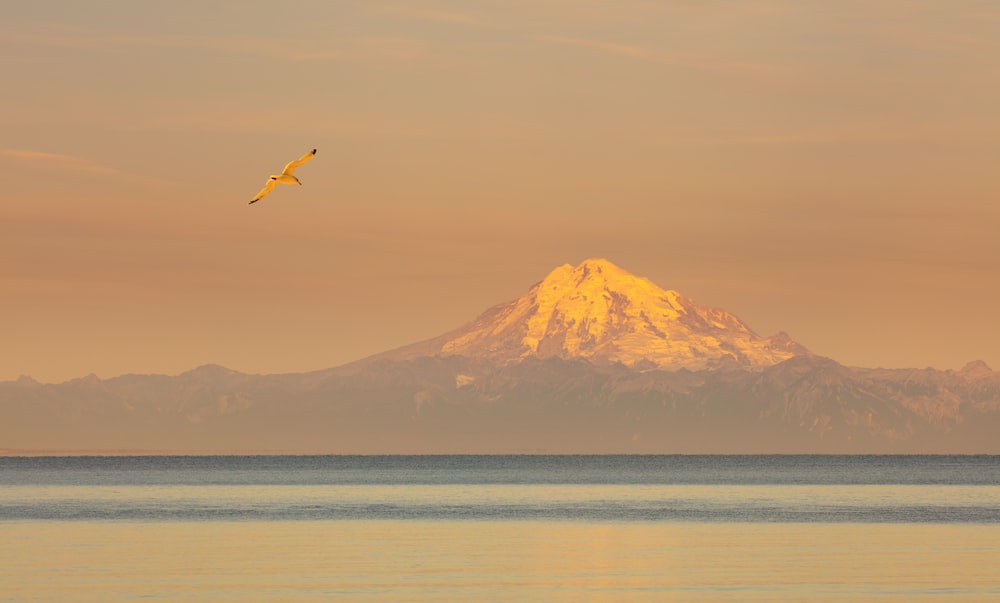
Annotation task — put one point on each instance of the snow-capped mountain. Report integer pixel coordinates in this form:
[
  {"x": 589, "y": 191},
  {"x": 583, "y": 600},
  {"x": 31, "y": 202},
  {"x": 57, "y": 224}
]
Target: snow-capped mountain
[
  {"x": 602, "y": 313},
  {"x": 587, "y": 361}
]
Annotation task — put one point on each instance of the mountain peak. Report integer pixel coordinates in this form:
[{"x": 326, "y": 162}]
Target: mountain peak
[
  {"x": 599, "y": 266},
  {"x": 575, "y": 308},
  {"x": 975, "y": 369},
  {"x": 27, "y": 381},
  {"x": 605, "y": 314},
  {"x": 593, "y": 275}
]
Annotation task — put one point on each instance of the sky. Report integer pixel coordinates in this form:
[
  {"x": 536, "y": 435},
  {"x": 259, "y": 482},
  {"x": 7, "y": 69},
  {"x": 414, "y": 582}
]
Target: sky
[{"x": 827, "y": 169}]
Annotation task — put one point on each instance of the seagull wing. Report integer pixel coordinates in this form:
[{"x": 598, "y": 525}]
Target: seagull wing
[
  {"x": 271, "y": 183},
  {"x": 290, "y": 168}
]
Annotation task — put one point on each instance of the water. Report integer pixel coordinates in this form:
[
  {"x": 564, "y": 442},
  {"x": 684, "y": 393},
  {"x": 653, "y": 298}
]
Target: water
[{"x": 500, "y": 528}]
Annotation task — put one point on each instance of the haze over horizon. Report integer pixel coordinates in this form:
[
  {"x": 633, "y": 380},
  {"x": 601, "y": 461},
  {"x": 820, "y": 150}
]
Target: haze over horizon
[{"x": 825, "y": 170}]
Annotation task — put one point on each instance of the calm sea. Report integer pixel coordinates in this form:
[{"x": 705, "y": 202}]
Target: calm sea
[{"x": 500, "y": 528}]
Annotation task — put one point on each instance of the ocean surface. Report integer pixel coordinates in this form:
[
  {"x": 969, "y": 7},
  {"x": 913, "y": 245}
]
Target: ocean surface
[{"x": 500, "y": 528}]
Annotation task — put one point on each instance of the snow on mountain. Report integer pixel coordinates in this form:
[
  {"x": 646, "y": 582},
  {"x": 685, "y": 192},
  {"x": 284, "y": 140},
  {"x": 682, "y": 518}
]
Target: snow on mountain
[
  {"x": 605, "y": 314},
  {"x": 584, "y": 362}
]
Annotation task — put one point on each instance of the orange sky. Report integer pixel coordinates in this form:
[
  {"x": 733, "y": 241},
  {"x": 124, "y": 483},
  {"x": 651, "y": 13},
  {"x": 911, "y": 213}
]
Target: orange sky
[{"x": 831, "y": 169}]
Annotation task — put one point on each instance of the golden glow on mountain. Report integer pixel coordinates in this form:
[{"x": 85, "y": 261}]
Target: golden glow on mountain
[
  {"x": 590, "y": 296},
  {"x": 602, "y": 313},
  {"x": 828, "y": 168}
]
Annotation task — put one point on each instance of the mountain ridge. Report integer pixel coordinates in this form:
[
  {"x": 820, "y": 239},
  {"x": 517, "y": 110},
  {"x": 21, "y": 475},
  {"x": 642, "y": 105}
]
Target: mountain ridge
[
  {"x": 457, "y": 404},
  {"x": 570, "y": 367}
]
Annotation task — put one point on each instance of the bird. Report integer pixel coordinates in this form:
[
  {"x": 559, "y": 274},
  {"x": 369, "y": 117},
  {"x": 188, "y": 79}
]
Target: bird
[{"x": 285, "y": 177}]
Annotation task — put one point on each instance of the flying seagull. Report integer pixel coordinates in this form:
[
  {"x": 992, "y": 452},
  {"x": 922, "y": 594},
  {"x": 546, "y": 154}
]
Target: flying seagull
[{"x": 285, "y": 177}]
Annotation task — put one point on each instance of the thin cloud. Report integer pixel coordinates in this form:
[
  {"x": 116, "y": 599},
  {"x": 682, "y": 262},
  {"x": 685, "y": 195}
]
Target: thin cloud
[
  {"x": 343, "y": 50},
  {"x": 639, "y": 53},
  {"x": 436, "y": 16},
  {"x": 853, "y": 134},
  {"x": 606, "y": 47},
  {"x": 57, "y": 161}
]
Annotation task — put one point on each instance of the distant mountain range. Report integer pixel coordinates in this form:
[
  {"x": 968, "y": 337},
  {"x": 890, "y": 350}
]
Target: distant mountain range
[{"x": 591, "y": 360}]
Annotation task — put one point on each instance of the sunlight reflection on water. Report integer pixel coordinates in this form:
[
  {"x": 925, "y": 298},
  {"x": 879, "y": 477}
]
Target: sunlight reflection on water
[
  {"x": 476, "y": 561},
  {"x": 477, "y": 529}
]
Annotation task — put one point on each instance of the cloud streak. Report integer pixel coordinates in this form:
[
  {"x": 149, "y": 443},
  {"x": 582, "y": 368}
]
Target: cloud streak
[
  {"x": 352, "y": 49},
  {"x": 436, "y": 16},
  {"x": 639, "y": 53},
  {"x": 859, "y": 133},
  {"x": 624, "y": 50},
  {"x": 57, "y": 161}
]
